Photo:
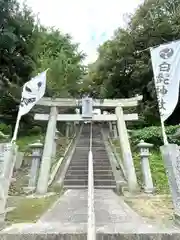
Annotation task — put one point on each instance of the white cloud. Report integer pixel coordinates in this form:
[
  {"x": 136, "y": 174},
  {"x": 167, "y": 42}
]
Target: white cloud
[{"x": 90, "y": 22}]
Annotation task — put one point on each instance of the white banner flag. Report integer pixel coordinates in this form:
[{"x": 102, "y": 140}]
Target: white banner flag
[
  {"x": 166, "y": 68},
  {"x": 33, "y": 91}
]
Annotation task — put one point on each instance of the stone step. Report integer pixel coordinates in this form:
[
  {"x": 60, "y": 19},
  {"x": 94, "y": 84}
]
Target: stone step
[
  {"x": 81, "y": 155},
  {"x": 78, "y": 163},
  {"x": 95, "y": 158},
  {"x": 85, "y": 166},
  {"x": 84, "y": 143},
  {"x": 74, "y": 164},
  {"x": 113, "y": 187},
  {"x": 100, "y": 159},
  {"x": 80, "y": 168},
  {"x": 77, "y": 174},
  {"x": 75, "y": 186},
  {"x": 96, "y": 172},
  {"x": 98, "y": 177},
  {"x": 86, "y": 160},
  {"x": 100, "y": 167},
  {"x": 81, "y": 148},
  {"x": 81, "y": 161},
  {"x": 85, "y": 182},
  {"x": 96, "y": 154},
  {"x": 100, "y": 156}
]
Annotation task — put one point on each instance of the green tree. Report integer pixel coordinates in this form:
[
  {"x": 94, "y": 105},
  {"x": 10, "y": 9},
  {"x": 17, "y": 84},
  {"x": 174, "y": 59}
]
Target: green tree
[
  {"x": 123, "y": 68},
  {"x": 27, "y": 48},
  {"x": 57, "y": 52},
  {"x": 16, "y": 59}
]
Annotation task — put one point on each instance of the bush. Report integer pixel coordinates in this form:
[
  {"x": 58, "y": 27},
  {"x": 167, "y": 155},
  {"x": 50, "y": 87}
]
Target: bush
[
  {"x": 154, "y": 135},
  {"x": 6, "y": 129},
  {"x": 35, "y": 130}
]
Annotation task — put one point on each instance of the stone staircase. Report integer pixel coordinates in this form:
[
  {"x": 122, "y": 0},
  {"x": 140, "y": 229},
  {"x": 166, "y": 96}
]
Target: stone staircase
[{"x": 77, "y": 174}]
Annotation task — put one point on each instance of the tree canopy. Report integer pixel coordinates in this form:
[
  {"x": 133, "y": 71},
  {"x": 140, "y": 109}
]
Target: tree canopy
[
  {"x": 27, "y": 48},
  {"x": 123, "y": 68}
]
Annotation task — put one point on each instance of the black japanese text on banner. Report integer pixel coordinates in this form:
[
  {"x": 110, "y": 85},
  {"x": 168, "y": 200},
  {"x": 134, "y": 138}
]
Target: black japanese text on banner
[
  {"x": 33, "y": 91},
  {"x": 166, "y": 68}
]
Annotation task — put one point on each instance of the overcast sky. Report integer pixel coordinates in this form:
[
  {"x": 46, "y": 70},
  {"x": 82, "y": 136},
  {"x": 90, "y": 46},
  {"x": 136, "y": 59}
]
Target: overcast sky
[{"x": 90, "y": 22}]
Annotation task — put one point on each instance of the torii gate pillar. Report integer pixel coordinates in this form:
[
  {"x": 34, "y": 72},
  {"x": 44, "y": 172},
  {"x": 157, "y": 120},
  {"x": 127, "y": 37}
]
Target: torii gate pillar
[
  {"x": 47, "y": 153},
  {"x": 126, "y": 150}
]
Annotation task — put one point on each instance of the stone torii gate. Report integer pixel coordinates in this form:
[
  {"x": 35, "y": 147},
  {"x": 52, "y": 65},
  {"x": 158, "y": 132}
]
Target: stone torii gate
[{"x": 118, "y": 117}]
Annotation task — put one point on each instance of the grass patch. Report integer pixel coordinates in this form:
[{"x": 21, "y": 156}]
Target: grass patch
[
  {"x": 159, "y": 208},
  {"x": 30, "y": 210}
]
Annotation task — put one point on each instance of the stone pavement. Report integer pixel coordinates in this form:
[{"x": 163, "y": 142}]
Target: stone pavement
[
  {"x": 70, "y": 208},
  {"x": 113, "y": 216},
  {"x": 111, "y": 212}
]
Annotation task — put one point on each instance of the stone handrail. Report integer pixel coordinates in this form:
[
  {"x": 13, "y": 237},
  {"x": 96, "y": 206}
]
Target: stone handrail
[
  {"x": 118, "y": 158},
  {"x": 91, "y": 232},
  {"x": 56, "y": 168}
]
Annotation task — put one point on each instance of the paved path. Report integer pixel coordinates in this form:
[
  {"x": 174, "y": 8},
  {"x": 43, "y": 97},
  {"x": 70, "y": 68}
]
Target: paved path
[
  {"x": 69, "y": 215},
  {"x": 111, "y": 212},
  {"x": 70, "y": 208}
]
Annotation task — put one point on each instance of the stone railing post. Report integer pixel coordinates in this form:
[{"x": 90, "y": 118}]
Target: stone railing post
[
  {"x": 126, "y": 150},
  {"x": 67, "y": 132},
  {"x": 36, "y": 158},
  {"x": 114, "y": 128},
  {"x": 147, "y": 177},
  {"x": 110, "y": 129},
  {"x": 70, "y": 130},
  {"x": 8, "y": 158},
  {"x": 73, "y": 130},
  {"x": 56, "y": 137},
  {"x": 171, "y": 157},
  {"x": 19, "y": 160}
]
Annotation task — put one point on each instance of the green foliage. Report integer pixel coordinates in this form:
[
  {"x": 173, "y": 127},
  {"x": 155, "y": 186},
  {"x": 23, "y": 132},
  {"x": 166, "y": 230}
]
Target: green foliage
[
  {"x": 123, "y": 68},
  {"x": 5, "y": 129},
  {"x": 17, "y": 60},
  {"x": 56, "y": 51},
  {"x": 36, "y": 130},
  {"x": 153, "y": 135},
  {"x": 27, "y": 48},
  {"x": 23, "y": 142}
]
